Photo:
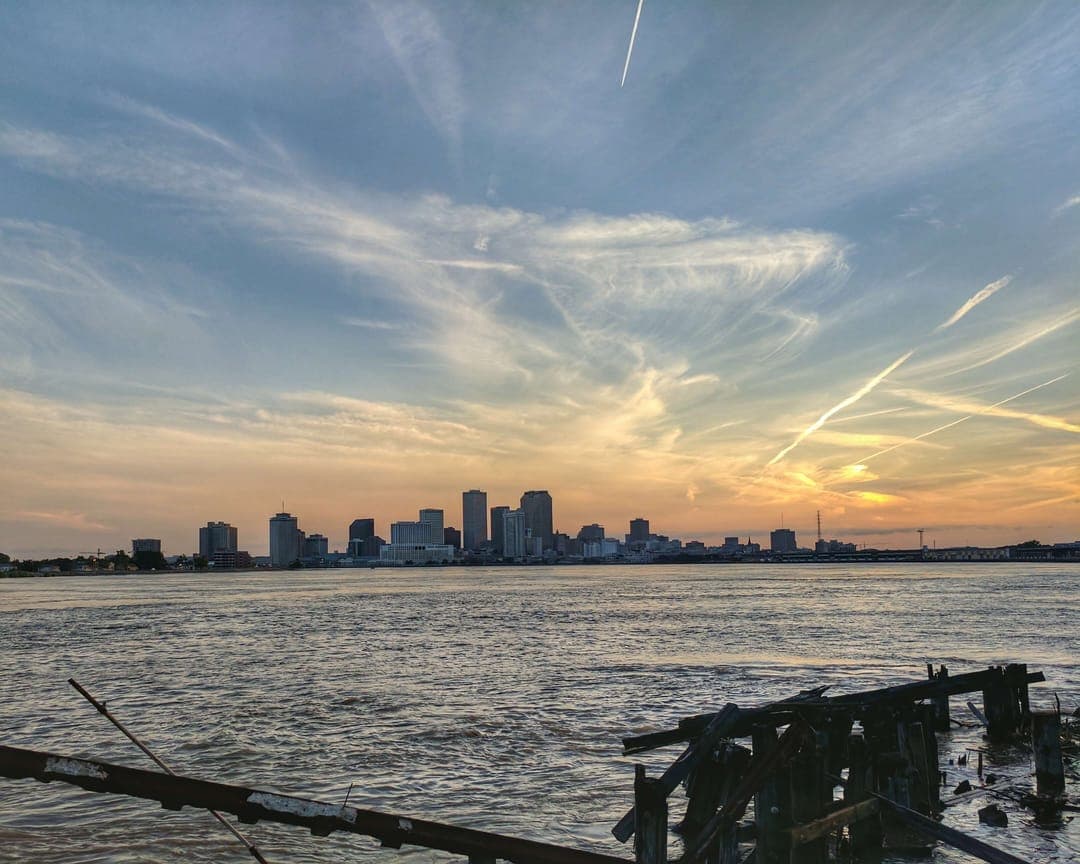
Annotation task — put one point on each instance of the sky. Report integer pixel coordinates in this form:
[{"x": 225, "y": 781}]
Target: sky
[{"x": 359, "y": 257}]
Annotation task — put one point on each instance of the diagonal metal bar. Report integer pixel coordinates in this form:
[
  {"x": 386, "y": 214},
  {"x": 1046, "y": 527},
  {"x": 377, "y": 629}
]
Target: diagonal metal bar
[
  {"x": 252, "y": 849},
  {"x": 252, "y": 805}
]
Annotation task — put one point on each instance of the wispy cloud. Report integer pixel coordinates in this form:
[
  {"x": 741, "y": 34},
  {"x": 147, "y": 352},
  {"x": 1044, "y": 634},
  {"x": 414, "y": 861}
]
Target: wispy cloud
[
  {"x": 984, "y": 293},
  {"x": 840, "y": 406},
  {"x": 1068, "y": 204},
  {"x": 427, "y": 60},
  {"x": 975, "y": 409}
]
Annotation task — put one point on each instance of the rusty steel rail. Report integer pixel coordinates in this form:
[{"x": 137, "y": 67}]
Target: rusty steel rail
[{"x": 252, "y": 805}]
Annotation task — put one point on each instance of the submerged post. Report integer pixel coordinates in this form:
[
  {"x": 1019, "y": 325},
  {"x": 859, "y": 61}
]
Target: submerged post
[
  {"x": 941, "y": 701},
  {"x": 1046, "y": 742},
  {"x": 650, "y": 818},
  {"x": 865, "y": 834},
  {"x": 1000, "y": 706},
  {"x": 772, "y": 804}
]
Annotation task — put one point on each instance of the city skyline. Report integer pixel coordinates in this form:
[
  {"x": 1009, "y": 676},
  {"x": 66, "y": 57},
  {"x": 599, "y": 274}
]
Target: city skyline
[{"x": 362, "y": 257}]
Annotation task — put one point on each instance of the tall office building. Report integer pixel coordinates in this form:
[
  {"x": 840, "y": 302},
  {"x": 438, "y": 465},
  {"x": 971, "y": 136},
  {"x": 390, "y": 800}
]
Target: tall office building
[
  {"x": 414, "y": 533},
  {"x": 285, "y": 540},
  {"x": 514, "y": 534},
  {"x": 361, "y": 529},
  {"x": 217, "y": 537},
  {"x": 783, "y": 540},
  {"x": 452, "y": 537},
  {"x": 639, "y": 531},
  {"x": 145, "y": 544},
  {"x": 435, "y": 523},
  {"x": 537, "y": 508},
  {"x": 497, "y": 537},
  {"x": 474, "y": 531}
]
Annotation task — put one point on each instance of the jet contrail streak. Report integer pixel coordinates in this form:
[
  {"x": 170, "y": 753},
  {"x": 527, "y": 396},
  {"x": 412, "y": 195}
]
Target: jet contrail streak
[
  {"x": 962, "y": 419},
  {"x": 975, "y": 299},
  {"x": 630, "y": 49},
  {"x": 840, "y": 406}
]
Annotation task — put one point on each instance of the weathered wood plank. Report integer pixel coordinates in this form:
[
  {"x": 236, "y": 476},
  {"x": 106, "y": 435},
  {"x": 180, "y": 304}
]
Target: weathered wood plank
[
  {"x": 937, "y": 831},
  {"x": 252, "y": 805},
  {"x": 847, "y": 815},
  {"x": 782, "y": 712},
  {"x": 719, "y": 727},
  {"x": 761, "y": 767}
]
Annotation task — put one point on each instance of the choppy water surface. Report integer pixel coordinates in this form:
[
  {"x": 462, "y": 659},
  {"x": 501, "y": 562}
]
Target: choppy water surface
[{"x": 493, "y": 698}]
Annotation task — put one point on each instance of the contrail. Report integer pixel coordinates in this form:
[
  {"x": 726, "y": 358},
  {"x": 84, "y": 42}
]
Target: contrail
[
  {"x": 982, "y": 294},
  {"x": 962, "y": 419},
  {"x": 630, "y": 49},
  {"x": 840, "y": 406}
]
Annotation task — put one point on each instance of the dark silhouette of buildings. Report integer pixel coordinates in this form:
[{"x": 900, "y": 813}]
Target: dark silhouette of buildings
[
  {"x": 474, "y": 528},
  {"x": 536, "y": 505}
]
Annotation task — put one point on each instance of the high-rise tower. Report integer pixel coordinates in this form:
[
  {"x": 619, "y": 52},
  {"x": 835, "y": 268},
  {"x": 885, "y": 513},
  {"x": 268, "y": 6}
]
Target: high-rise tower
[
  {"x": 474, "y": 531},
  {"x": 536, "y": 506}
]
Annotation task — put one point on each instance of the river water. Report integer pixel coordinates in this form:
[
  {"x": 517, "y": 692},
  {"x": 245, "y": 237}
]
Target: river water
[{"x": 488, "y": 697}]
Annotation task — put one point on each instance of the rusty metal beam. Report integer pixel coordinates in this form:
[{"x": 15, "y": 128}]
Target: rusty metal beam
[{"x": 252, "y": 805}]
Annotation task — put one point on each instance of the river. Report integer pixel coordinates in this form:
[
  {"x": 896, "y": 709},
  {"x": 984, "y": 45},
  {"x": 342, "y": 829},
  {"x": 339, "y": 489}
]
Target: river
[{"x": 487, "y": 697}]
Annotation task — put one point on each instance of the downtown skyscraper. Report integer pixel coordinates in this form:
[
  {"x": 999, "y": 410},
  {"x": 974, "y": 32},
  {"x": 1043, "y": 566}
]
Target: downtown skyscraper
[{"x": 474, "y": 526}]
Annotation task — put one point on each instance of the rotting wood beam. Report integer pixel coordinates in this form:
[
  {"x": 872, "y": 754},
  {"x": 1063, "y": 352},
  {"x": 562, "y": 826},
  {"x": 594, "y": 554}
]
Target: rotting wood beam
[
  {"x": 782, "y": 712},
  {"x": 957, "y": 839},
  {"x": 718, "y": 728},
  {"x": 253, "y": 805},
  {"x": 811, "y": 831},
  {"x": 761, "y": 767}
]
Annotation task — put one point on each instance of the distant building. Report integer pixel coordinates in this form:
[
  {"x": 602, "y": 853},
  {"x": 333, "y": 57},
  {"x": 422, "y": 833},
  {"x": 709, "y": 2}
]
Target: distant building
[
  {"x": 514, "y": 534},
  {"x": 452, "y": 537},
  {"x": 731, "y": 543},
  {"x": 285, "y": 540},
  {"x": 474, "y": 526},
  {"x": 433, "y": 518},
  {"x": 783, "y": 540},
  {"x": 497, "y": 541},
  {"x": 639, "y": 531},
  {"x": 367, "y": 548},
  {"x": 591, "y": 533},
  {"x": 145, "y": 544},
  {"x": 561, "y": 543},
  {"x": 217, "y": 537},
  {"x": 229, "y": 559},
  {"x": 316, "y": 546},
  {"x": 361, "y": 529},
  {"x": 415, "y": 533},
  {"x": 600, "y": 548},
  {"x": 416, "y": 553},
  {"x": 536, "y": 505}
]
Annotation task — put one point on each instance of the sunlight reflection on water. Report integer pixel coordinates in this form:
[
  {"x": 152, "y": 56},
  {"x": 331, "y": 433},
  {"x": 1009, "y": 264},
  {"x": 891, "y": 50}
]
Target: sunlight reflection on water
[{"x": 490, "y": 697}]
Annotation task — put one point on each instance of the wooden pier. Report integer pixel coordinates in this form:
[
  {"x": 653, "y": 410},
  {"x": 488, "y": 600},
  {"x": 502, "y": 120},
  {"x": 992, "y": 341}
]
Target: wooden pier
[{"x": 830, "y": 778}]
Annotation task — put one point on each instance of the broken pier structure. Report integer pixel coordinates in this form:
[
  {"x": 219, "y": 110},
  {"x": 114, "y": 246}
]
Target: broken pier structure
[{"x": 878, "y": 747}]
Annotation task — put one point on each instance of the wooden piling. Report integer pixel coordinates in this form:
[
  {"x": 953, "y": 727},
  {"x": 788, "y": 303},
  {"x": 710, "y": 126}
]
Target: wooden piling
[
  {"x": 707, "y": 788},
  {"x": 807, "y": 779},
  {"x": 1046, "y": 742},
  {"x": 1000, "y": 706},
  {"x": 650, "y": 818},
  {"x": 941, "y": 701},
  {"x": 865, "y": 834},
  {"x": 772, "y": 804}
]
